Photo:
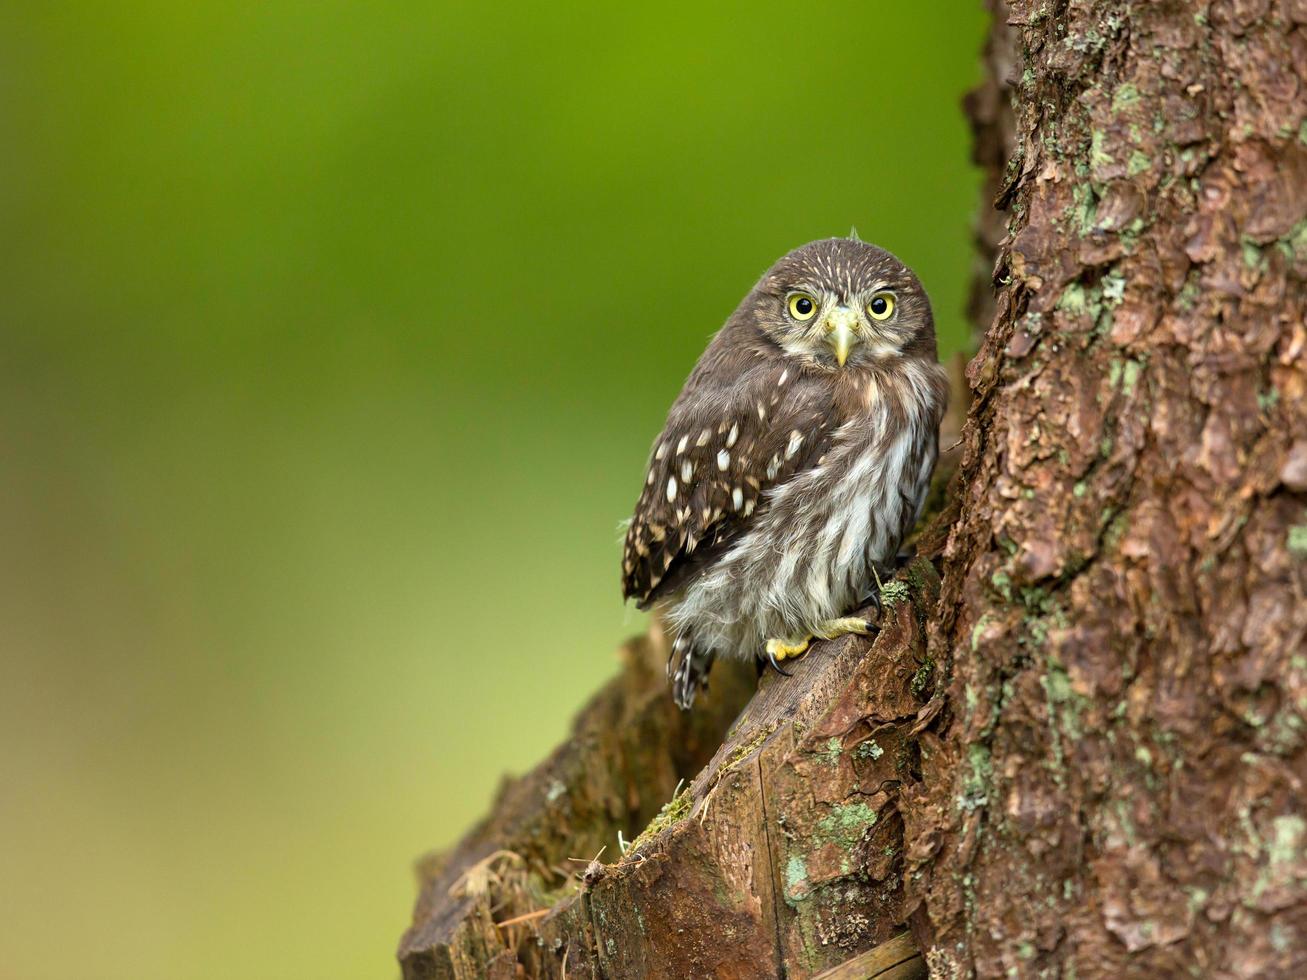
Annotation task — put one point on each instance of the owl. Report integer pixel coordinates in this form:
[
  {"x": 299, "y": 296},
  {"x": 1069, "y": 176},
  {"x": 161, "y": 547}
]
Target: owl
[{"x": 793, "y": 463}]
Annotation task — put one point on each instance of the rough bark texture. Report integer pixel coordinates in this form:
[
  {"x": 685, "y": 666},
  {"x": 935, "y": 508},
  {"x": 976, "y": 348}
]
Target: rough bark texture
[
  {"x": 1116, "y": 787},
  {"x": 1078, "y": 746}
]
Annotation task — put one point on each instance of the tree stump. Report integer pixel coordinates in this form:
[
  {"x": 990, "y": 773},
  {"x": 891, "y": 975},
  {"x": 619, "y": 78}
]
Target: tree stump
[{"x": 785, "y": 848}]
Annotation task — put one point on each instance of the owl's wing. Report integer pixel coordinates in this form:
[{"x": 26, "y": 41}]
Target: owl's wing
[{"x": 728, "y": 440}]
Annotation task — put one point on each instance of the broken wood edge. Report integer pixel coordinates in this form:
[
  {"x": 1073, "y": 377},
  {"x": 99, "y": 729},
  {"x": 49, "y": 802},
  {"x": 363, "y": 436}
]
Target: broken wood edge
[{"x": 628, "y": 747}]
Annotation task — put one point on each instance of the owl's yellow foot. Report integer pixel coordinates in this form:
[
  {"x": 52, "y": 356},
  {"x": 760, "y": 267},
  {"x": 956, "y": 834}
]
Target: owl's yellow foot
[
  {"x": 778, "y": 649},
  {"x": 843, "y": 626}
]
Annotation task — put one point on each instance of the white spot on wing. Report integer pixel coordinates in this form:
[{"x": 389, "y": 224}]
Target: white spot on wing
[
  {"x": 671, "y": 488},
  {"x": 734, "y": 434},
  {"x": 687, "y": 471},
  {"x": 680, "y": 446},
  {"x": 737, "y": 497},
  {"x": 723, "y": 460},
  {"x": 796, "y": 440}
]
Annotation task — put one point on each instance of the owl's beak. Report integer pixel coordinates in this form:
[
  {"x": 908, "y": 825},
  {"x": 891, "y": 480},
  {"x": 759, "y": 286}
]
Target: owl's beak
[{"x": 841, "y": 333}]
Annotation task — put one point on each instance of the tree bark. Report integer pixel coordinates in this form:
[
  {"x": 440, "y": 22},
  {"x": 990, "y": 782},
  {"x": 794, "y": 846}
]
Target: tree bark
[
  {"x": 1116, "y": 786},
  {"x": 1078, "y": 746}
]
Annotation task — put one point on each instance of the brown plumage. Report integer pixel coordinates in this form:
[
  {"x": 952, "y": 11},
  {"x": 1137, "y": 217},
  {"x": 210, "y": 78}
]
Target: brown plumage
[{"x": 794, "y": 460}]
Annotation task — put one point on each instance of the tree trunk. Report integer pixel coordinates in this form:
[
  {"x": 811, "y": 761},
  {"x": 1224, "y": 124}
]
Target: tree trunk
[
  {"x": 1117, "y": 784},
  {"x": 1078, "y": 746}
]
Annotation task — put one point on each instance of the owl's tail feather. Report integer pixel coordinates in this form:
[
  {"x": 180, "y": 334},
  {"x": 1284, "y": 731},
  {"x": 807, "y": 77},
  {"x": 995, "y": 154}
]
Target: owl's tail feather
[{"x": 687, "y": 669}]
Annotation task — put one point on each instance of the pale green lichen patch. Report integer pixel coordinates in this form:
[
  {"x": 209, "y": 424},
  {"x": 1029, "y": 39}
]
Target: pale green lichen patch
[
  {"x": 1252, "y": 254},
  {"x": 975, "y": 785},
  {"x": 1073, "y": 299},
  {"x": 982, "y": 624},
  {"x": 1293, "y": 246},
  {"x": 868, "y": 750},
  {"x": 1083, "y": 210},
  {"x": 1113, "y": 288},
  {"x": 1130, "y": 376},
  {"x": 1099, "y": 157},
  {"x": 796, "y": 878},
  {"x": 1138, "y": 163},
  {"x": 921, "y": 678},
  {"x": 1124, "y": 374},
  {"x": 1298, "y": 539},
  {"x": 1124, "y": 97},
  {"x": 1287, "y": 843},
  {"x": 892, "y": 593},
  {"x": 832, "y": 752},
  {"x": 1002, "y": 583},
  {"x": 1284, "y": 850},
  {"x": 846, "y": 824}
]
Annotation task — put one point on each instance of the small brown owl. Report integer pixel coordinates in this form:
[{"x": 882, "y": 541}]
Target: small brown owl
[{"x": 793, "y": 463}]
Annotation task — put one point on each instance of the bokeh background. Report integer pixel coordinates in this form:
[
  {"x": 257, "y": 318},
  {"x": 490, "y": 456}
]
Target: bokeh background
[{"x": 332, "y": 339}]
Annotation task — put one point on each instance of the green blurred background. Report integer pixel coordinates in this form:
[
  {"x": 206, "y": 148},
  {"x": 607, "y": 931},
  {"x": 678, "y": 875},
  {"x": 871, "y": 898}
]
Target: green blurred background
[{"x": 332, "y": 339}]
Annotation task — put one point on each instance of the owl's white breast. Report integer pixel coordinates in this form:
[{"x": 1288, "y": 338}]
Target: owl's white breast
[{"x": 809, "y": 557}]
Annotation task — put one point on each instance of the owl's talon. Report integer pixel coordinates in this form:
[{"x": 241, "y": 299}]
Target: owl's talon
[
  {"x": 775, "y": 665},
  {"x": 778, "y": 649}
]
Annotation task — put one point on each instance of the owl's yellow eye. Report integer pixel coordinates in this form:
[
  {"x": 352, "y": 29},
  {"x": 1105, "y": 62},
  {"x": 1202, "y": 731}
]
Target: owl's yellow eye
[
  {"x": 881, "y": 306},
  {"x": 802, "y": 306}
]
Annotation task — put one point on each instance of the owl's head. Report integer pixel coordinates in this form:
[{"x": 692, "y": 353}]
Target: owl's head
[{"x": 840, "y": 304}]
